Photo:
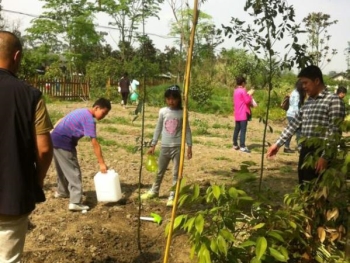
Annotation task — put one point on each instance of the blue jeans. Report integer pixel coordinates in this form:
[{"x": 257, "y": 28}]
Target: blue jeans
[
  {"x": 240, "y": 128},
  {"x": 297, "y": 134}
]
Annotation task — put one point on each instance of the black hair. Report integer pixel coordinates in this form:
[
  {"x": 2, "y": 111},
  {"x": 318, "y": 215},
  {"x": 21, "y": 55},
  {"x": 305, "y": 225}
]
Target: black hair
[
  {"x": 103, "y": 103},
  {"x": 10, "y": 43},
  {"x": 240, "y": 80},
  {"x": 302, "y": 93},
  {"x": 311, "y": 72},
  {"x": 341, "y": 89},
  {"x": 175, "y": 92}
]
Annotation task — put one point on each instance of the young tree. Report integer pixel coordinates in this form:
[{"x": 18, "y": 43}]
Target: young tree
[
  {"x": 261, "y": 40},
  {"x": 317, "y": 25}
]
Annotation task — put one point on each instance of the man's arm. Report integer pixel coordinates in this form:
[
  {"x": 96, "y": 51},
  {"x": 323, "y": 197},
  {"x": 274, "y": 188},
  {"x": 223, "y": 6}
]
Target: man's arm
[
  {"x": 98, "y": 153},
  {"x": 44, "y": 152},
  {"x": 44, "y": 147},
  {"x": 336, "y": 116}
]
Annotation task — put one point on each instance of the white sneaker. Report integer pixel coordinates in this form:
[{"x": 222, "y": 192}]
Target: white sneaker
[
  {"x": 244, "y": 149},
  {"x": 77, "y": 207}
]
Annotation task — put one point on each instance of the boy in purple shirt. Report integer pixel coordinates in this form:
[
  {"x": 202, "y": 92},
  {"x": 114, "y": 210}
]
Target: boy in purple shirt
[{"x": 65, "y": 137}]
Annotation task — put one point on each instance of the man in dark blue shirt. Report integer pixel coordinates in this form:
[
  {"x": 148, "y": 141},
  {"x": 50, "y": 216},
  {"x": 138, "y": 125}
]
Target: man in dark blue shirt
[{"x": 25, "y": 150}]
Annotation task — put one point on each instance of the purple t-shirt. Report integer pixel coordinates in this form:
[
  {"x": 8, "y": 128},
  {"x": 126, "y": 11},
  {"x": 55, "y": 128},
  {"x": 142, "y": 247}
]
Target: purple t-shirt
[{"x": 75, "y": 125}]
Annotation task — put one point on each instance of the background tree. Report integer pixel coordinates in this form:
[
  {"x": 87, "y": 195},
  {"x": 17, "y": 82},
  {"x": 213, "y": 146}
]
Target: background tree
[
  {"x": 347, "y": 57},
  {"x": 317, "y": 25},
  {"x": 127, "y": 16},
  {"x": 66, "y": 28}
]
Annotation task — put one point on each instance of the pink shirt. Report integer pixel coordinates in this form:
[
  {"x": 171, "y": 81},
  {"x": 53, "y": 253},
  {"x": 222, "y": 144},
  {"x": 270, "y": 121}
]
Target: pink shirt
[{"x": 242, "y": 101}]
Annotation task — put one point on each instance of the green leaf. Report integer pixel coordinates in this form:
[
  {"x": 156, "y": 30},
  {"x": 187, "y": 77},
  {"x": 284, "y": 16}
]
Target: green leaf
[
  {"x": 178, "y": 221},
  {"x": 227, "y": 234},
  {"x": 214, "y": 246},
  {"x": 255, "y": 260},
  {"x": 260, "y": 225},
  {"x": 247, "y": 198},
  {"x": 248, "y": 243},
  {"x": 199, "y": 223},
  {"x": 277, "y": 255},
  {"x": 233, "y": 192},
  {"x": 261, "y": 245},
  {"x": 196, "y": 191},
  {"x": 189, "y": 224},
  {"x": 292, "y": 224},
  {"x": 216, "y": 191},
  {"x": 276, "y": 235},
  {"x": 284, "y": 252},
  {"x": 157, "y": 218},
  {"x": 222, "y": 245},
  {"x": 204, "y": 255}
]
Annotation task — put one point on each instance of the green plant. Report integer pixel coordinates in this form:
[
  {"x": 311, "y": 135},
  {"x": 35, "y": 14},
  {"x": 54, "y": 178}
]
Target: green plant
[
  {"x": 201, "y": 91},
  {"x": 201, "y": 127},
  {"x": 110, "y": 129},
  {"x": 104, "y": 142},
  {"x": 226, "y": 225},
  {"x": 55, "y": 116}
]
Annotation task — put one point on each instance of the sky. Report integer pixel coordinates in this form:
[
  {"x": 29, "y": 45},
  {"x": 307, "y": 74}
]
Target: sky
[{"x": 221, "y": 11}]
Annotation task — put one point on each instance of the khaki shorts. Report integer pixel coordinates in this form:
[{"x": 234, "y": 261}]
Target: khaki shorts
[{"x": 13, "y": 231}]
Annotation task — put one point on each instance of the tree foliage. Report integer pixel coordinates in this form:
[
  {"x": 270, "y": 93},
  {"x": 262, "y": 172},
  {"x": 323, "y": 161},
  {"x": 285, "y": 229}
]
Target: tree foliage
[
  {"x": 127, "y": 16},
  {"x": 66, "y": 28},
  {"x": 317, "y": 25}
]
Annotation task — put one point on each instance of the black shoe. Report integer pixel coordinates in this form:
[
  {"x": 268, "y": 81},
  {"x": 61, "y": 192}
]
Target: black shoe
[{"x": 288, "y": 150}]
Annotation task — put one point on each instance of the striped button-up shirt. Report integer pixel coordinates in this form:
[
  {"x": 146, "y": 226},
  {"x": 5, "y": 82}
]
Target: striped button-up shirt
[{"x": 318, "y": 118}]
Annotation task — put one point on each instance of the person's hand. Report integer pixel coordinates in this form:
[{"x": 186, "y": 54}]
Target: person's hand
[
  {"x": 151, "y": 150},
  {"x": 321, "y": 165},
  {"x": 103, "y": 168},
  {"x": 272, "y": 151},
  {"x": 251, "y": 92},
  {"x": 189, "y": 153}
]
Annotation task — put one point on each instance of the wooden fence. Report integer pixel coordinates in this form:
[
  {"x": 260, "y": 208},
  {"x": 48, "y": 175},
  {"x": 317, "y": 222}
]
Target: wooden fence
[
  {"x": 66, "y": 89},
  {"x": 77, "y": 88}
]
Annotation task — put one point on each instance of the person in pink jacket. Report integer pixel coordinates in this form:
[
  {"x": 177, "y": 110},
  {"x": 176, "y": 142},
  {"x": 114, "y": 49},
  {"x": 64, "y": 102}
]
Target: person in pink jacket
[{"x": 242, "y": 101}]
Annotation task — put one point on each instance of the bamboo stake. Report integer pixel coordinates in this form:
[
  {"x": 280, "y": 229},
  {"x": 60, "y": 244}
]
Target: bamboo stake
[{"x": 184, "y": 127}]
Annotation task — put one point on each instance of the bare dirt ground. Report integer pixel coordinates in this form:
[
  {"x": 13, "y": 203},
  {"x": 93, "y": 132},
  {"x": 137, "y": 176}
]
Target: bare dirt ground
[{"x": 109, "y": 231}]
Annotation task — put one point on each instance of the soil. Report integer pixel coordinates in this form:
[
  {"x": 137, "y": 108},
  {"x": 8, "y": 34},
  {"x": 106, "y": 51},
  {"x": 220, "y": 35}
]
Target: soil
[{"x": 110, "y": 232}]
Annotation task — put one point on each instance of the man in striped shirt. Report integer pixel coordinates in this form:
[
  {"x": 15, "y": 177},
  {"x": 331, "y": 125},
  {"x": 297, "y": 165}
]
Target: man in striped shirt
[
  {"x": 65, "y": 137},
  {"x": 319, "y": 119}
]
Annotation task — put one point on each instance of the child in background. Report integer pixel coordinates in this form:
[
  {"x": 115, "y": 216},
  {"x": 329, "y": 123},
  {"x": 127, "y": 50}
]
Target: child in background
[
  {"x": 170, "y": 126},
  {"x": 65, "y": 137}
]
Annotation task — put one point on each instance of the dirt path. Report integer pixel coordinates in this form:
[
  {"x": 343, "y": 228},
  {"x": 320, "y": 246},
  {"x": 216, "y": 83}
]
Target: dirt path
[{"x": 108, "y": 232}]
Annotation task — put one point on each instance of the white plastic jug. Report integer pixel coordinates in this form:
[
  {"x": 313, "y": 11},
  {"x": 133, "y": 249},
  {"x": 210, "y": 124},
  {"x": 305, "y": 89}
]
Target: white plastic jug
[{"x": 107, "y": 186}]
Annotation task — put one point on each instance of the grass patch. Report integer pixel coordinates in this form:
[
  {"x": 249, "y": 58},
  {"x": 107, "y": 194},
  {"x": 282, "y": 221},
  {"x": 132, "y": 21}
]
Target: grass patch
[
  {"x": 55, "y": 116},
  {"x": 226, "y": 126},
  {"x": 201, "y": 127},
  {"x": 222, "y": 158},
  {"x": 110, "y": 129},
  {"x": 150, "y": 126},
  {"x": 104, "y": 142},
  {"x": 286, "y": 169},
  {"x": 117, "y": 120}
]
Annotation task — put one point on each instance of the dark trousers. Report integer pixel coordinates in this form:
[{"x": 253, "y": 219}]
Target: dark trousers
[
  {"x": 240, "y": 128},
  {"x": 308, "y": 173},
  {"x": 125, "y": 96}
]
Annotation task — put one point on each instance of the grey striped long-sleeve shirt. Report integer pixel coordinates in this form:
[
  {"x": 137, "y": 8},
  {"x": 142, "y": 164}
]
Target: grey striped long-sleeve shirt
[
  {"x": 318, "y": 118},
  {"x": 169, "y": 126}
]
